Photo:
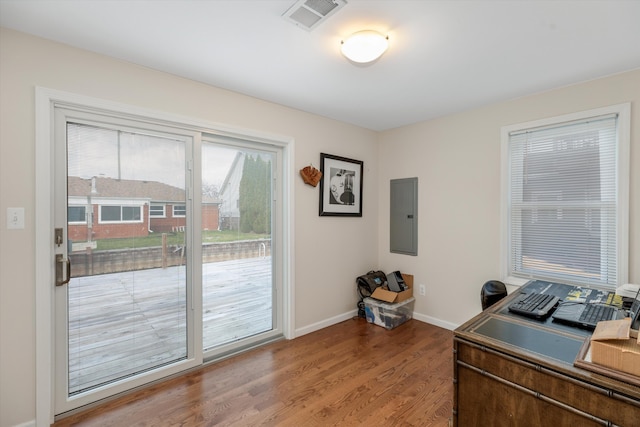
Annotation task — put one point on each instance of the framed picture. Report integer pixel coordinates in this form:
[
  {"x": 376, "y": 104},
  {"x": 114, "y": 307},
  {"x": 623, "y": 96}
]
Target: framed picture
[{"x": 340, "y": 186}]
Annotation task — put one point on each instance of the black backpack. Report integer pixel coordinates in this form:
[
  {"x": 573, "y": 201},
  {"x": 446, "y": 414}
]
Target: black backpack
[{"x": 367, "y": 283}]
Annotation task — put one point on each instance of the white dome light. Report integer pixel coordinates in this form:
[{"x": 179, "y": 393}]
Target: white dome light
[{"x": 364, "y": 46}]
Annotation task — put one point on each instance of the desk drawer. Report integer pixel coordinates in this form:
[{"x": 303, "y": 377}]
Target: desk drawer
[
  {"x": 483, "y": 401},
  {"x": 549, "y": 386}
]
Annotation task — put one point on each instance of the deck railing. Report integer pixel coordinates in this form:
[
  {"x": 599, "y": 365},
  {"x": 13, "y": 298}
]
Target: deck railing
[{"x": 91, "y": 262}]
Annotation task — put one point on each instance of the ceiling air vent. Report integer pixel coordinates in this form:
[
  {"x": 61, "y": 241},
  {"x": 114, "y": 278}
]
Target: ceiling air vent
[{"x": 308, "y": 14}]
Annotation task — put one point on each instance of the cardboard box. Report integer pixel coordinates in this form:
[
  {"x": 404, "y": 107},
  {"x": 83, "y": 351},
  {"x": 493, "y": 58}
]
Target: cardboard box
[
  {"x": 388, "y": 315},
  {"x": 386, "y": 295},
  {"x": 613, "y": 346}
]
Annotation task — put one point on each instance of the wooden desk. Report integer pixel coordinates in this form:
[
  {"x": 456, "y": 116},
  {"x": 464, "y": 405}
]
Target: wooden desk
[{"x": 513, "y": 371}]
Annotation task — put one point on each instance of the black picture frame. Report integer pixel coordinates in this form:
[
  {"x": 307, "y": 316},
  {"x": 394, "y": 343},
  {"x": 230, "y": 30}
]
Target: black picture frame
[{"x": 340, "y": 186}]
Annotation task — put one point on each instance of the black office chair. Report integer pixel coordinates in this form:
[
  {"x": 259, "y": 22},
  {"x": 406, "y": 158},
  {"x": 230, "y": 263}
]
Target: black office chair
[{"x": 492, "y": 292}]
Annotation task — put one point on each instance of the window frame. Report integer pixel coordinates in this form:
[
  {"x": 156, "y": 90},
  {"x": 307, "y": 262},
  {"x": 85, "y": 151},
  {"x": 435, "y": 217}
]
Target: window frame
[
  {"x": 176, "y": 209},
  {"x": 154, "y": 213},
  {"x": 122, "y": 207},
  {"x": 84, "y": 214},
  {"x": 622, "y": 181}
]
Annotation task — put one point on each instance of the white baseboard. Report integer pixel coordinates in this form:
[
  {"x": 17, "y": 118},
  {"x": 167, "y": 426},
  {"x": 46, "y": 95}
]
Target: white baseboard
[
  {"x": 325, "y": 323},
  {"x": 349, "y": 315},
  {"x": 433, "y": 321},
  {"x": 27, "y": 424}
]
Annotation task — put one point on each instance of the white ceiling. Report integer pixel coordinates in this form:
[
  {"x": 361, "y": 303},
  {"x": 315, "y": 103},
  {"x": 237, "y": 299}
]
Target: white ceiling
[{"x": 444, "y": 56}]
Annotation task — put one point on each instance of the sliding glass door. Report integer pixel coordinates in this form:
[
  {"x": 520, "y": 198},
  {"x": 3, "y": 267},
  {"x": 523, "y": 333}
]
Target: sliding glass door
[
  {"x": 125, "y": 312},
  {"x": 166, "y": 251},
  {"x": 237, "y": 264}
]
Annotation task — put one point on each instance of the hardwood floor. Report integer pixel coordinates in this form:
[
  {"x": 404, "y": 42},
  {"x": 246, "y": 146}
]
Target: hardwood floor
[{"x": 350, "y": 374}]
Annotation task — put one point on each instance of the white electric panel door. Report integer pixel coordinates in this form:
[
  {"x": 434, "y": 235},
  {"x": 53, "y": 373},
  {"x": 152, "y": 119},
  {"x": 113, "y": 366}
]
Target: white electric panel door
[{"x": 404, "y": 216}]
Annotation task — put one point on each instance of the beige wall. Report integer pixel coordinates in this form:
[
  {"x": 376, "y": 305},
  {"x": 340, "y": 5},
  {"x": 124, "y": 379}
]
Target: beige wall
[
  {"x": 457, "y": 162},
  {"x": 324, "y": 276},
  {"x": 456, "y": 158}
]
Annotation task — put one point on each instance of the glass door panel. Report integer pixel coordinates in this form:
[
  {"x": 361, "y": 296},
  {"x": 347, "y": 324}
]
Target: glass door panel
[
  {"x": 126, "y": 226},
  {"x": 167, "y": 238},
  {"x": 237, "y": 268}
]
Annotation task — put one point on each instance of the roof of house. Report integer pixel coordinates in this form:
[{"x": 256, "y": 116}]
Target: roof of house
[{"x": 128, "y": 189}]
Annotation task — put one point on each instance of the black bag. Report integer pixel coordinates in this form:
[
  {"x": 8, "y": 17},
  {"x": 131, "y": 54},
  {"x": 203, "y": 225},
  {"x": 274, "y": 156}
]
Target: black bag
[{"x": 367, "y": 283}]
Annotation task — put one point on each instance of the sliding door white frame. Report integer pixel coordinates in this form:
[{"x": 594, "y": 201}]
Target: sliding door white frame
[{"x": 46, "y": 101}]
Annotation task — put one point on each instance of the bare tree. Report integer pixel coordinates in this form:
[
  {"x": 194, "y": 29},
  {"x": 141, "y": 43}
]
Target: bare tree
[{"x": 210, "y": 190}]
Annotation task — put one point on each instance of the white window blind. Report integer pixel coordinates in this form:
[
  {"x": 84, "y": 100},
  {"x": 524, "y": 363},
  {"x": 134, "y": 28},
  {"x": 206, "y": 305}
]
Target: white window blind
[{"x": 563, "y": 202}]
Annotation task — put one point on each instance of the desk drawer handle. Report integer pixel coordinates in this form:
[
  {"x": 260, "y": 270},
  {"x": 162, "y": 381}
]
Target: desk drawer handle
[{"x": 535, "y": 394}]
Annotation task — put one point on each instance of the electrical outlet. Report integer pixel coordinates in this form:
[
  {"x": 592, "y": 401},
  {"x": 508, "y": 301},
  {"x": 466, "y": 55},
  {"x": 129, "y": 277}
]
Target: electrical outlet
[{"x": 423, "y": 290}]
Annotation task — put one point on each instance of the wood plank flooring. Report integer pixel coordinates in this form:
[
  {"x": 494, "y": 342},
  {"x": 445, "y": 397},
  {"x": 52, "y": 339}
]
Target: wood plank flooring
[{"x": 350, "y": 374}]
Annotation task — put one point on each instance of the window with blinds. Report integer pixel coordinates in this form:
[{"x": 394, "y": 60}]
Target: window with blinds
[{"x": 565, "y": 204}]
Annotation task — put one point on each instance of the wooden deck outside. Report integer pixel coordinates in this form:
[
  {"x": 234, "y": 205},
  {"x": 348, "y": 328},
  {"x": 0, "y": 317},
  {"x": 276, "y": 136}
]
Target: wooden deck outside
[{"x": 123, "y": 323}]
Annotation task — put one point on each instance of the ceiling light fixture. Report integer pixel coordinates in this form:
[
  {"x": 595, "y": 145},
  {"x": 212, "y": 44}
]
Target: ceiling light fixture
[{"x": 364, "y": 46}]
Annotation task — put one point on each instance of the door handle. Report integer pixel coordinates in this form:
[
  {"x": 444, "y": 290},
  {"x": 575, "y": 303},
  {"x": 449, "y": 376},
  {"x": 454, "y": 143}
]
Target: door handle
[{"x": 60, "y": 280}]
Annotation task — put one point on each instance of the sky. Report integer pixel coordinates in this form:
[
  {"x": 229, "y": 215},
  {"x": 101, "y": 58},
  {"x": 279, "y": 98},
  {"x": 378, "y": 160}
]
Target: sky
[{"x": 94, "y": 151}]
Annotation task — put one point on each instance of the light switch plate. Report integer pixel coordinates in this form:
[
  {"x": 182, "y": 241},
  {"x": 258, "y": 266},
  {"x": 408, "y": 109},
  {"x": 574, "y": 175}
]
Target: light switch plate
[{"x": 15, "y": 218}]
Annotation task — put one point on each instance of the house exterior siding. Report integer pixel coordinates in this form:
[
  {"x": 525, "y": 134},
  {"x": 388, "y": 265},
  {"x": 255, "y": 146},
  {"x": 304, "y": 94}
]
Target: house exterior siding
[
  {"x": 80, "y": 232},
  {"x": 91, "y": 194},
  {"x": 168, "y": 224},
  {"x": 210, "y": 217},
  {"x": 230, "y": 195}
]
